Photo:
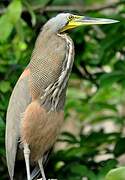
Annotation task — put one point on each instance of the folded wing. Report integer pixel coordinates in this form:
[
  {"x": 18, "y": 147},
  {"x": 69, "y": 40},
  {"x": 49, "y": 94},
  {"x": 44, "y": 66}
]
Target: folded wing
[{"x": 19, "y": 100}]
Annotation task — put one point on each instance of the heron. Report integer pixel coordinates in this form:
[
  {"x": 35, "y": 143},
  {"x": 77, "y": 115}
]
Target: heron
[{"x": 36, "y": 108}]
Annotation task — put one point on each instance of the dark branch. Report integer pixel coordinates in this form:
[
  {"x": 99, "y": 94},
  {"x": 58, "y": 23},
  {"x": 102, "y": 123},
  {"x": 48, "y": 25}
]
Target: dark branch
[
  {"x": 80, "y": 8},
  {"x": 76, "y": 8},
  {"x": 86, "y": 74}
]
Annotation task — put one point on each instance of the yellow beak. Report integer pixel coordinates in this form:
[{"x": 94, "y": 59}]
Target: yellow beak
[{"x": 82, "y": 20}]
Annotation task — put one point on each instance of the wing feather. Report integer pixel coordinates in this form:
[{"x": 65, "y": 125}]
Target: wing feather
[{"x": 19, "y": 100}]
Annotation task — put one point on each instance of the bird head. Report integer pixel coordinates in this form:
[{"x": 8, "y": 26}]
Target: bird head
[{"x": 65, "y": 21}]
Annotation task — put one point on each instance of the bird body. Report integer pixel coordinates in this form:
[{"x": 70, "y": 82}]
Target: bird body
[
  {"x": 42, "y": 132},
  {"x": 43, "y": 117},
  {"x": 36, "y": 109},
  {"x": 40, "y": 120}
]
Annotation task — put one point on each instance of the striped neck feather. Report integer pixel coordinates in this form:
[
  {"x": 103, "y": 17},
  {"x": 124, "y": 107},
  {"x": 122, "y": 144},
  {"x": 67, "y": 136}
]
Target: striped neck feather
[{"x": 54, "y": 90}]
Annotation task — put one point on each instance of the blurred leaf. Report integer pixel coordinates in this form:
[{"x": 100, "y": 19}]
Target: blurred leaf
[
  {"x": 68, "y": 137},
  {"x": 107, "y": 166},
  {"x": 108, "y": 94},
  {"x": 9, "y": 19},
  {"x": 33, "y": 17},
  {"x": 71, "y": 93},
  {"x": 2, "y": 139},
  {"x": 116, "y": 174},
  {"x": 4, "y": 86},
  {"x": 2, "y": 124},
  {"x": 110, "y": 78},
  {"x": 82, "y": 171},
  {"x": 119, "y": 147},
  {"x": 120, "y": 66}
]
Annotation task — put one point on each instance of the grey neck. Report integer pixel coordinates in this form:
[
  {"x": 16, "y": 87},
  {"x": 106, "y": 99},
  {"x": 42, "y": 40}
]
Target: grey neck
[{"x": 56, "y": 90}]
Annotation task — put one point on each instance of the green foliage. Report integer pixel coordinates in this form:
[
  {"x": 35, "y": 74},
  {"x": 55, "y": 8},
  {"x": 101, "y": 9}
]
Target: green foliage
[
  {"x": 9, "y": 19},
  {"x": 96, "y": 91},
  {"x": 78, "y": 160},
  {"x": 116, "y": 174}
]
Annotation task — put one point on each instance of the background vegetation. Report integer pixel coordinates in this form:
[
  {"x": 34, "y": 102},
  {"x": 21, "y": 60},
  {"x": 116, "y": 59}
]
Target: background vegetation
[{"x": 94, "y": 139}]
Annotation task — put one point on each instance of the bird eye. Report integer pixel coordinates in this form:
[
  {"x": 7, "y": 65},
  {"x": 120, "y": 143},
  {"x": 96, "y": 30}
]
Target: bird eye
[{"x": 70, "y": 18}]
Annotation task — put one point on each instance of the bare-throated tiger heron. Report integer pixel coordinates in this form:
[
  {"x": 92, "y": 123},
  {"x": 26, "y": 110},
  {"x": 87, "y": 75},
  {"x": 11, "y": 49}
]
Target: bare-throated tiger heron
[{"x": 35, "y": 111}]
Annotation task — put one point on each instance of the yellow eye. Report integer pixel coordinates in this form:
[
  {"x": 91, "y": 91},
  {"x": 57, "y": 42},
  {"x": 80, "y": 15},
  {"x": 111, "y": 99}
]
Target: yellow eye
[{"x": 70, "y": 17}]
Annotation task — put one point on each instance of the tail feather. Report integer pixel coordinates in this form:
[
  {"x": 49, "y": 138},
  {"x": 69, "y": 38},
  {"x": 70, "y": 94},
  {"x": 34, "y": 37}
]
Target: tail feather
[{"x": 35, "y": 173}]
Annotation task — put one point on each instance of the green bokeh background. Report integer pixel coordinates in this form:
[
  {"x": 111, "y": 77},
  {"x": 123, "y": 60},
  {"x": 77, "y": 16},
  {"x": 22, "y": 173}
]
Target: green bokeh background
[{"x": 94, "y": 139}]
